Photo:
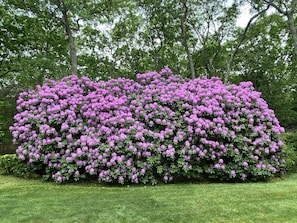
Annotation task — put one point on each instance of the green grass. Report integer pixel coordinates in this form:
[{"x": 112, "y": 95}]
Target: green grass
[{"x": 33, "y": 201}]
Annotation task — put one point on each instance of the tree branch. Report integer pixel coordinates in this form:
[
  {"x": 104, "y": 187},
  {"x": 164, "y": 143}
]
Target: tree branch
[
  {"x": 279, "y": 9},
  {"x": 241, "y": 41},
  {"x": 293, "y": 7},
  {"x": 77, "y": 25}
]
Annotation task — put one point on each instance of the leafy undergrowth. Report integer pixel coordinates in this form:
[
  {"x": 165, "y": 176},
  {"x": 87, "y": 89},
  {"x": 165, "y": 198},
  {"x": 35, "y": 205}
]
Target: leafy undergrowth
[{"x": 33, "y": 201}]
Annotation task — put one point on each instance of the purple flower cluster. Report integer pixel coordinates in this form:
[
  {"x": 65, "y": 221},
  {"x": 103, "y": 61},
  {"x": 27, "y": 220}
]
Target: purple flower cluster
[{"x": 160, "y": 126}]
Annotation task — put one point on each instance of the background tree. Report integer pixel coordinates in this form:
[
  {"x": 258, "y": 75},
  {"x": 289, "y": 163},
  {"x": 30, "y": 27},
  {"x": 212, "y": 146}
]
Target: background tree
[
  {"x": 213, "y": 24},
  {"x": 32, "y": 45},
  {"x": 266, "y": 59},
  {"x": 32, "y": 48},
  {"x": 109, "y": 39},
  {"x": 287, "y": 9}
]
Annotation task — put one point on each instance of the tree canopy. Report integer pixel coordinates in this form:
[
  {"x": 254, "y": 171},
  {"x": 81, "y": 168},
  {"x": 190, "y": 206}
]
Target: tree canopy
[{"x": 108, "y": 39}]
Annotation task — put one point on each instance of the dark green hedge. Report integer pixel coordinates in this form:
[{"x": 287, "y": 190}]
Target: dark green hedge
[
  {"x": 11, "y": 165},
  {"x": 290, "y": 149}
]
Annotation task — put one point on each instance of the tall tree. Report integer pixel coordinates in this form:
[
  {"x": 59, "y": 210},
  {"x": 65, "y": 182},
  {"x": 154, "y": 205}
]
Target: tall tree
[
  {"x": 286, "y": 9},
  {"x": 32, "y": 44},
  {"x": 65, "y": 20},
  {"x": 194, "y": 30},
  {"x": 267, "y": 59},
  {"x": 184, "y": 37},
  {"x": 242, "y": 37},
  {"x": 74, "y": 15},
  {"x": 213, "y": 26}
]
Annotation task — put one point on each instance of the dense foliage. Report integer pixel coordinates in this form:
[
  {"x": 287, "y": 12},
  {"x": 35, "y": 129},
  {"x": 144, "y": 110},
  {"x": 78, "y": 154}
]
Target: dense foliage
[
  {"x": 290, "y": 149},
  {"x": 104, "y": 40},
  {"x": 11, "y": 165},
  {"x": 160, "y": 127}
]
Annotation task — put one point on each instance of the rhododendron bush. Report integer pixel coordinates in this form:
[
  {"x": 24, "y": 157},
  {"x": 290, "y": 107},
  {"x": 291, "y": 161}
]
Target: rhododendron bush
[{"x": 160, "y": 127}]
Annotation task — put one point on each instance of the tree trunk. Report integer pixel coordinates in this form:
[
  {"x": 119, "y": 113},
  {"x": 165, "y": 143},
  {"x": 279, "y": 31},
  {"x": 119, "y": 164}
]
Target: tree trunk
[
  {"x": 70, "y": 38},
  {"x": 293, "y": 31},
  {"x": 184, "y": 39}
]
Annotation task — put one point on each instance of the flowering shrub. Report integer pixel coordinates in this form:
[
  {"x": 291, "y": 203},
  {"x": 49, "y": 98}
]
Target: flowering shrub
[{"x": 160, "y": 127}]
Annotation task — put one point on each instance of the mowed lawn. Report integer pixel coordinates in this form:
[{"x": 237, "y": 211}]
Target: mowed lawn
[{"x": 34, "y": 201}]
